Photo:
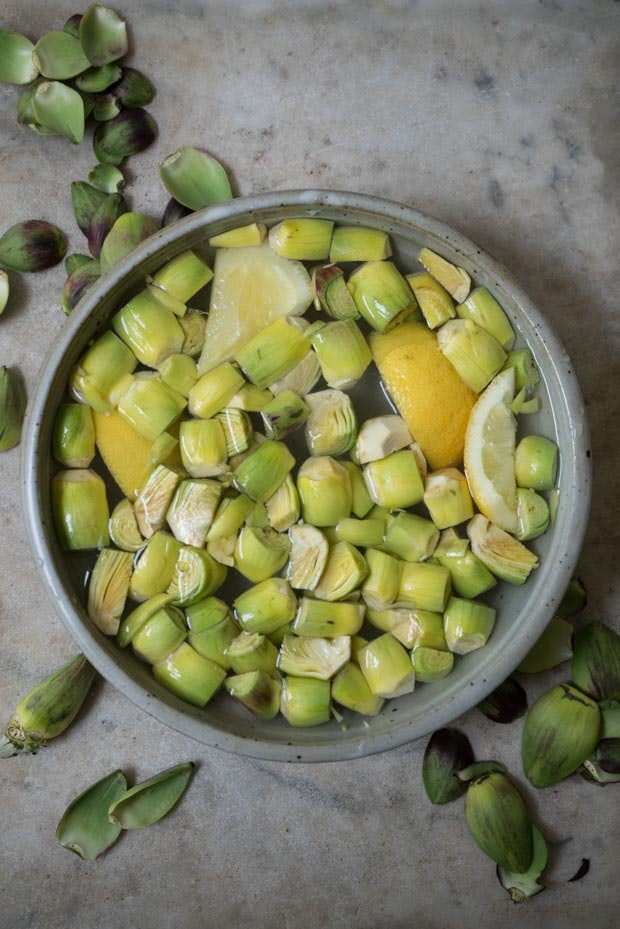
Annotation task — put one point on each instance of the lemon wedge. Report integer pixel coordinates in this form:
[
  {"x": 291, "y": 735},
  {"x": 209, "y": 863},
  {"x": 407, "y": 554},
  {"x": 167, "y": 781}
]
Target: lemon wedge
[
  {"x": 252, "y": 287},
  {"x": 427, "y": 391},
  {"x": 490, "y": 453}
]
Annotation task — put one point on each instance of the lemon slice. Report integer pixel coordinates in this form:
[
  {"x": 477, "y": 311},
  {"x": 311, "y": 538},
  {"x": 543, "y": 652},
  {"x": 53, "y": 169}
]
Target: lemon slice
[
  {"x": 252, "y": 287},
  {"x": 490, "y": 453},
  {"x": 426, "y": 390}
]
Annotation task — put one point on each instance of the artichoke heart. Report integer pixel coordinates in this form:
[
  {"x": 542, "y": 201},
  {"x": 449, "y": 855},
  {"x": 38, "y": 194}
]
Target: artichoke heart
[
  {"x": 308, "y": 556},
  {"x": 309, "y": 656},
  {"x": 108, "y": 587},
  {"x": 344, "y": 572},
  {"x": 503, "y": 555},
  {"x": 331, "y": 428}
]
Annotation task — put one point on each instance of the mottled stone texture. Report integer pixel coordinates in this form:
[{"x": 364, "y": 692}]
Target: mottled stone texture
[{"x": 498, "y": 118}]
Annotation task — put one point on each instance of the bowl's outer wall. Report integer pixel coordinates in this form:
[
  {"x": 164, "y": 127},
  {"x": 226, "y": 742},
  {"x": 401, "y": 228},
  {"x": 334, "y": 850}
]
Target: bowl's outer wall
[{"x": 523, "y": 612}]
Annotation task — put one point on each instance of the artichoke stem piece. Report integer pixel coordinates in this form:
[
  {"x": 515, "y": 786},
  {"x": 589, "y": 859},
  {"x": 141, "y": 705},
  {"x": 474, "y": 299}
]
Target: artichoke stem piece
[
  {"x": 467, "y": 624},
  {"x": 183, "y": 276},
  {"x": 431, "y": 664},
  {"x": 272, "y": 353},
  {"x": 536, "y": 462},
  {"x": 526, "y": 373},
  {"x": 425, "y": 586},
  {"x": 473, "y": 352},
  {"x": 241, "y": 237},
  {"x": 49, "y": 708}
]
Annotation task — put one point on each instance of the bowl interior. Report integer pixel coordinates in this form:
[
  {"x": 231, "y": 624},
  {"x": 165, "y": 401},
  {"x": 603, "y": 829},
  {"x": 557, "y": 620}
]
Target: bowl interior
[{"x": 522, "y": 611}]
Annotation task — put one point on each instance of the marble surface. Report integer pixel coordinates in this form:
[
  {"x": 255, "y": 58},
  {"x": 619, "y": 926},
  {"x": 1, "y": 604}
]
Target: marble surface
[{"x": 498, "y": 118}]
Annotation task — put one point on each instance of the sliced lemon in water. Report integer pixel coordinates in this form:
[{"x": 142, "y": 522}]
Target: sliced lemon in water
[
  {"x": 427, "y": 391},
  {"x": 490, "y": 453},
  {"x": 252, "y": 287}
]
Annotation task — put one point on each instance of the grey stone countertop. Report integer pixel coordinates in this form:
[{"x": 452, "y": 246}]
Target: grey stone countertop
[{"x": 501, "y": 120}]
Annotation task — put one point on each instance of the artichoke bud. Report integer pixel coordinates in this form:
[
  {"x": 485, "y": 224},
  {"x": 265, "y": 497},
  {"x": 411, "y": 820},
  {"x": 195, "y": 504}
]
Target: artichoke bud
[
  {"x": 49, "y": 708},
  {"x": 103, "y": 35},
  {"x": 596, "y": 662},
  {"x": 561, "y": 730},
  {"x": 12, "y": 407},
  {"x": 128, "y": 231},
  {"x": 32, "y": 245},
  {"x": 498, "y": 821},
  {"x": 128, "y": 133},
  {"x": 16, "y": 63},
  {"x": 520, "y": 886},
  {"x": 447, "y": 752},
  {"x": 59, "y": 109},
  {"x": 506, "y": 703},
  {"x": 104, "y": 218}
]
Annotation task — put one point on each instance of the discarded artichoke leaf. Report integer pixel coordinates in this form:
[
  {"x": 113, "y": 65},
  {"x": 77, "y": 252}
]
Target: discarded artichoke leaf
[
  {"x": 59, "y": 56},
  {"x": 506, "y": 703},
  {"x": 31, "y": 245},
  {"x": 150, "y": 801},
  {"x": 103, "y": 35},
  {"x": 596, "y": 661},
  {"x": 552, "y": 648},
  {"x": 447, "y": 752},
  {"x": 127, "y": 134},
  {"x": 16, "y": 62},
  {"x": 85, "y": 828},
  {"x": 12, "y": 407},
  {"x": 194, "y": 178}
]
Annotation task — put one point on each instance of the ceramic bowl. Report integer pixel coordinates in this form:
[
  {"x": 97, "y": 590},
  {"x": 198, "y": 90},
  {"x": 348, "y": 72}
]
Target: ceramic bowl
[{"x": 522, "y": 612}]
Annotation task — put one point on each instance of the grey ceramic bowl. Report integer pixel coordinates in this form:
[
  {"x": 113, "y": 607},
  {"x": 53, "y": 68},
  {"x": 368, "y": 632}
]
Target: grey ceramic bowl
[{"x": 523, "y": 611}]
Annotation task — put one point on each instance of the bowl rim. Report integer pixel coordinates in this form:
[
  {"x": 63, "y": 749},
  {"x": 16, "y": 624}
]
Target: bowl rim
[{"x": 189, "y": 231}]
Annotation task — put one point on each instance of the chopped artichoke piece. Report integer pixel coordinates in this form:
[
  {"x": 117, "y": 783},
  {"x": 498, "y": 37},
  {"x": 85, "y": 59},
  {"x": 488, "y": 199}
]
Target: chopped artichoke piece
[
  {"x": 364, "y": 533},
  {"x": 183, "y": 276},
  {"x": 133, "y": 622},
  {"x": 331, "y": 293},
  {"x": 165, "y": 450},
  {"x": 331, "y": 428},
  {"x": 455, "y": 280},
  {"x": 412, "y": 628},
  {"x": 411, "y": 537},
  {"x": 301, "y": 379},
  {"x": 361, "y": 502},
  {"x": 203, "y": 447},
  {"x": 504, "y": 556},
  {"x": 310, "y": 656},
  {"x": 80, "y": 508},
  {"x": 237, "y": 427},
  {"x": 160, "y": 635},
  {"x": 473, "y": 352},
  {"x": 486, "y": 312},
  {"x": 154, "y": 568},
  {"x": 257, "y": 691},
  {"x": 304, "y": 701},
  {"x": 223, "y": 550},
  {"x": 123, "y": 527},
  {"x": 285, "y": 413},
  {"x": 196, "y": 575},
  {"x": 468, "y": 576},
  {"x": 266, "y": 606},
  {"x": 149, "y": 328},
  {"x": 350, "y": 689},
  {"x": 214, "y": 390},
  {"x": 380, "y": 436},
  {"x": 108, "y": 586},
  {"x": 95, "y": 378},
  {"x": 434, "y": 300},
  {"x": 193, "y": 325},
  {"x": 394, "y": 482},
  {"x": 343, "y": 573},
  {"x": 205, "y": 614},
  {"x": 532, "y": 514},
  {"x": 150, "y": 406},
  {"x": 250, "y": 398},
  {"x": 154, "y": 499},
  {"x": 240, "y": 237},
  {"x": 74, "y": 435},
  {"x": 343, "y": 352},
  {"x": 230, "y": 517},
  {"x": 431, "y": 664},
  {"x": 283, "y": 508},
  {"x": 325, "y": 491},
  {"x": 526, "y": 373},
  {"x": 426, "y": 586},
  {"x": 382, "y": 583},
  {"x": 190, "y": 676},
  {"x": 447, "y": 498},
  {"x": 272, "y": 353},
  {"x": 302, "y": 239},
  {"x": 326, "y": 620},
  {"x": 215, "y": 641},
  {"x": 381, "y": 294},
  {"x": 260, "y": 553},
  {"x": 262, "y": 472},
  {"x": 357, "y": 243},
  {"x": 536, "y": 462},
  {"x": 308, "y": 556},
  {"x": 192, "y": 510},
  {"x": 467, "y": 624},
  {"x": 252, "y": 651},
  {"x": 387, "y": 667},
  {"x": 179, "y": 372}
]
